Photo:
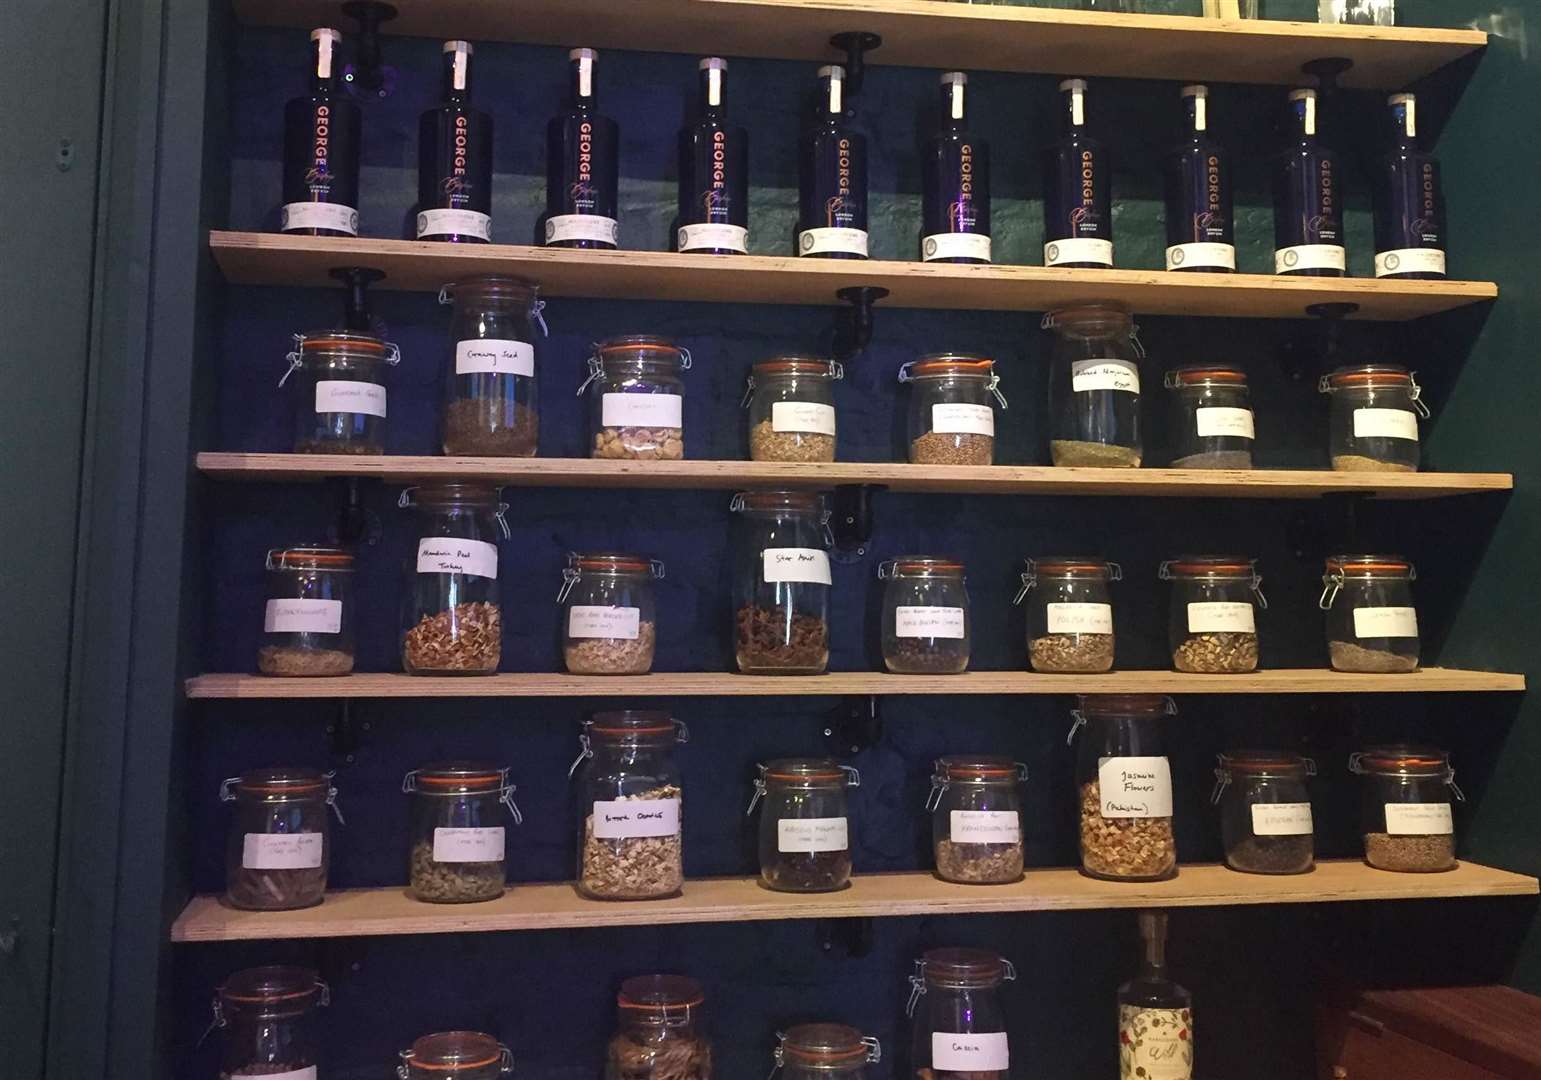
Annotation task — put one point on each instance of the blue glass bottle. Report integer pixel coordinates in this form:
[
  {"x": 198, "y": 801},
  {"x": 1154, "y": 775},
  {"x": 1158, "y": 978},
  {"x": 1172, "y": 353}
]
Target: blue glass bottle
[
  {"x": 1200, "y": 220},
  {"x": 832, "y": 178},
  {"x": 1409, "y": 202},
  {"x": 321, "y": 150},
  {"x": 582, "y": 166},
  {"x": 714, "y": 174},
  {"x": 1308, "y": 199},
  {"x": 1077, "y": 190},
  {"x": 955, "y": 212},
  {"x": 454, "y": 160}
]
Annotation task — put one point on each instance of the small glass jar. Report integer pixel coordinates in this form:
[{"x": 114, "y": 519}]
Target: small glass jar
[
  {"x": 952, "y": 409},
  {"x": 791, "y": 403},
  {"x": 491, "y": 402},
  {"x": 307, "y": 624},
  {"x": 1265, "y": 811},
  {"x": 1094, "y": 387},
  {"x": 976, "y": 819},
  {"x": 781, "y": 583},
  {"x": 609, "y": 615},
  {"x": 268, "y": 1015},
  {"x": 1069, "y": 613},
  {"x": 458, "y": 842},
  {"x": 452, "y": 623},
  {"x": 661, "y": 1031},
  {"x": 339, "y": 392},
  {"x": 1409, "y": 821},
  {"x": 1125, "y": 783},
  {"x": 957, "y": 992},
  {"x": 279, "y": 844},
  {"x": 636, "y": 398},
  {"x": 926, "y": 626},
  {"x": 805, "y": 831},
  {"x": 1212, "y": 424},
  {"x": 825, "y": 1052},
  {"x": 1212, "y": 628},
  {"x": 1373, "y": 421},
  {"x": 630, "y": 793},
  {"x": 456, "y": 1055},
  {"x": 1372, "y": 624}
]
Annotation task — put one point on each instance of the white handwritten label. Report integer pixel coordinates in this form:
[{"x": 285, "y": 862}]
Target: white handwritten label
[
  {"x": 1409, "y": 261},
  {"x": 500, "y": 356},
  {"x": 819, "y": 241},
  {"x": 1155, "y": 1044},
  {"x": 597, "y": 621},
  {"x": 1078, "y": 249},
  {"x": 1310, "y": 257},
  {"x": 282, "y": 851},
  {"x": 1216, "y": 422},
  {"x": 1281, "y": 819},
  {"x": 447, "y": 222},
  {"x": 955, "y": 246},
  {"x": 928, "y": 622},
  {"x": 642, "y": 410},
  {"x": 348, "y": 396},
  {"x": 796, "y": 564},
  {"x": 1385, "y": 424},
  {"x": 592, "y": 227},
  {"x": 468, "y": 845},
  {"x": 1120, "y": 375},
  {"x": 978, "y": 1052},
  {"x": 807, "y": 416},
  {"x": 318, "y": 215},
  {"x": 1201, "y": 256},
  {"x": 804, "y": 835},
  {"x": 1385, "y": 622},
  {"x": 961, "y": 419},
  {"x": 1080, "y": 618},
  {"x": 713, "y": 236},
  {"x": 452, "y": 555},
  {"x": 986, "y": 827},
  {"x": 1135, "y": 787},
  {"x": 1221, "y": 617},
  {"x": 1419, "y": 819},
  {"x": 302, "y": 617},
  {"x": 627, "y": 819}
]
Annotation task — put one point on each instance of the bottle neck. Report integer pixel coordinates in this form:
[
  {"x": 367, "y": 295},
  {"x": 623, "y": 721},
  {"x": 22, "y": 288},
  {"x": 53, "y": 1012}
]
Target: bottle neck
[
  {"x": 580, "y": 85},
  {"x": 954, "y": 107},
  {"x": 323, "y": 66},
  {"x": 457, "y": 78},
  {"x": 1072, "y": 116},
  {"x": 831, "y": 105},
  {"x": 1306, "y": 116},
  {"x": 1196, "y": 112},
  {"x": 712, "y": 94},
  {"x": 1404, "y": 125}
]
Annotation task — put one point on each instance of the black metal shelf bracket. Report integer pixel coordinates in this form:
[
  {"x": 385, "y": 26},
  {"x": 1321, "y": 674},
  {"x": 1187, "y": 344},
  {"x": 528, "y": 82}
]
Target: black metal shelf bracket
[
  {"x": 852, "y": 520},
  {"x": 368, "y": 77},
  {"x": 356, "y": 525},
  {"x": 855, "y": 44},
  {"x": 854, "y": 334},
  {"x": 1327, "y": 70},
  {"x": 356, "y": 315},
  {"x": 856, "y": 724}
]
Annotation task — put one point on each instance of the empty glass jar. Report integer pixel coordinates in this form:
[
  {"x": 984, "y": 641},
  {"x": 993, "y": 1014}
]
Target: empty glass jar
[
  {"x": 491, "y": 404},
  {"x": 455, "y": 1055},
  {"x": 1094, "y": 387},
  {"x": 953, "y": 398},
  {"x": 630, "y": 795},
  {"x": 637, "y": 398},
  {"x": 307, "y": 623},
  {"x": 925, "y": 616},
  {"x": 1213, "y": 624},
  {"x": 609, "y": 614},
  {"x": 976, "y": 819},
  {"x": 1265, "y": 811},
  {"x": 660, "y": 1031},
  {"x": 1069, "y": 613},
  {"x": 278, "y": 847},
  {"x": 1125, "y": 783},
  {"x": 791, "y": 402},
  {"x": 1372, "y": 624},
  {"x": 825, "y": 1052},
  {"x": 805, "y": 832},
  {"x": 1374, "y": 418},
  {"x": 338, "y": 382},
  {"x": 1212, "y": 424},
  {"x": 452, "y": 623},
  {"x": 1408, "y": 822},
  {"x": 957, "y": 992},
  {"x": 781, "y": 583},
  {"x": 458, "y": 842},
  {"x": 268, "y": 1015}
]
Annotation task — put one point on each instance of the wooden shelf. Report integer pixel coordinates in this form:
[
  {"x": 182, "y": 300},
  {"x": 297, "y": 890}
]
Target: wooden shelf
[
  {"x": 249, "y": 258},
  {"x": 724, "y": 684},
  {"x": 373, "y": 912},
  {"x": 927, "y": 33}
]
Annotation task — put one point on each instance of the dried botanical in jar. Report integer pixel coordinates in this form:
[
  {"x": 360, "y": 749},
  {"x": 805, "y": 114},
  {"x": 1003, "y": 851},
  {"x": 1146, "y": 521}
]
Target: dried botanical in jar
[
  {"x": 1265, "y": 811},
  {"x": 468, "y": 637}
]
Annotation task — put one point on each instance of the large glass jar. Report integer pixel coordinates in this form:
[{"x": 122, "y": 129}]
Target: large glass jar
[
  {"x": 781, "y": 583},
  {"x": 1372, "y": 624},
  {"x": 268, "y": 1015},
  {"x": 791, "y": 402},
  {"x": 307, "y": 623},
  {"x": 636, "y": 398},
  {"x": 458, "y": 842},
  {"x": 926, "y": 629},
  {"x": 1212, "y": 627},
  {"x": 491, "y": 403},
  {"x": 279, "y": 843},
  {"x": 661, "y": 1031},
  {"x": 1373, "y": 420},
  {"x": 1125, "y": 783},
  {"x": 338, "y": 383},
  {"x": 456, "y": 1055},
  {"x": 1265, "y": 811},
  {"x": 609, "y": 614},
  {"x": 1094, "y": 387},
  {"x": 805, "y": 832},
  {"x": 1408, "y": 822},
  {"x": 825, "y": 1052},
  {"x": 630, "y": 795},
  {"x": 1069, "y": 613},
  {"x": 953, "y": 399},
  {"x": 957, "y": 992},
  {"x": 452, "y": 624},
  {"x": 976, "y": 819},
  {"x": 1212, "y": 424}
]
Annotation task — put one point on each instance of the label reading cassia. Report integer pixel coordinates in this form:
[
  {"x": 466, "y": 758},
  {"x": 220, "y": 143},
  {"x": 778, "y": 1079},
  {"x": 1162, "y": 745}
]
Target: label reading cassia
[
  {"x": 1155, "y": 1044},
  {"x": 1221, "y": 617},
  {"x": 496, "y": 355},
  {"x": 803, "y": 416},
  {"x": 1419, "y": 819},
  {"x": 1120, "y": 375},
  {"x": 1080, "y": 618},
  {"x": 979, "y": 1052},
  {"x": 1135, "y": 787},
  {"x": 282, "y": 851},
  {"x": 348, "y": 396},
  {"x": 302, "y": 617},
  {"x": 1385, "y": 424},
  {"x": 468, "y": 845},
  {"x": 452, "y": 555},
  {"x": 796, "y": 564},
  {"x": 1216, "y": 421},
  {"x": 1281, "y": 819},
  {"x": 1382, "y": 622},
  {"x": 928, "y": 622},
  {"x": 803, "y": 835},
  {"x": 986, "y": 827},
  {"x": 628, "y": 819},
  {"x": 598, "y": 621},
  {"x": 642, "y": 410},
  {"x": 962, "y": 419}
]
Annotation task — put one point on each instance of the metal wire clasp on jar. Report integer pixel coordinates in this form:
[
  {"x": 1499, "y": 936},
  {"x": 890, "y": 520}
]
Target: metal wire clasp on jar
[
  {"x": 1372, "y": 624},
  {"x": 636, "y": 398},
  {"x": 952, "y": 408},
  {"x": 926, "y": 624},
  {"x": 1212, "y": 627},
  {"x": 791, "y": 403},
  {"x": 825, "y": 1052},
  {"x": 458, "y": 842},
  {"x": 609, "y": 614},
  {"x": 1070, "y": 614}
]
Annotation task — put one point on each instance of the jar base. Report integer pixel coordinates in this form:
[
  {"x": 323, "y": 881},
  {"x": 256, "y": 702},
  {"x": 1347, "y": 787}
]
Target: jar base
[{"x": 1164, "y": 876}]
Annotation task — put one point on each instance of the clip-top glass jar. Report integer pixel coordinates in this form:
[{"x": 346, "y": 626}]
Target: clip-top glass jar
[
  {"x": 269, "y": 1019},
  {"x": 1213, "y": 622},
  {"x": 805, "y": 831},
  {"x": 451, "y": 621},
  {"x": 629, "y": 792},
  {"x": 661, "y": 1031},
  {"x": 307, "y": 624},
  {"x": 1070, "y": 613},
  {"x": 1094, "y": 387},
  {"x": 791, "y": 403},
  {"x": 825, "y": 1052},
  {"x": 279, "y": 844},
  {"x": 456, "y": 1055},
  {"x": 1408, "y": 822},
  {"x": 957, "y": 992},
  {"x": 609, "y": 614},
  {"x": 781, "y": 583},
  {"x": 952, "y": 409},
  {"x": 491, "y": 404},
  {"x": 1374, "y": 418},
  {"x": 976, "y": 819},
  {"x": 926, "y": 628},
  {"x": 637, "y": 398},
  {"x": 1265, "y": 811},
  {"x": 1212, "y": 424},
  {"x": 339, "y": 391},
  {"x": 459, "y": 844},
  {"x": 1125, "y": 782},
  {"x": 1372, "y": 624}
]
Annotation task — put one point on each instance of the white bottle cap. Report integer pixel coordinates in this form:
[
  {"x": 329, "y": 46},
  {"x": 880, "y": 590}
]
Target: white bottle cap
[
  {"x": 832, "y": 71},
  {"x": 334, "y": 36},
  {"x": 1074, "y": 84},
  {"x": 1302, "y": 94},
  {"x": 954, "y": 78},
  {"x": 583, "y": 54},
  {"x": 1195, "y": 90},
  {"x": 459, "y": 46}
]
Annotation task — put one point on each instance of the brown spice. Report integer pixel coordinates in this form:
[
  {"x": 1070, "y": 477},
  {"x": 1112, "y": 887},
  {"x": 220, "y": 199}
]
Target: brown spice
[
  {"x": 1093, "y": 455},
  {"x": 276, "y": 890},
  {"x": 768, "y": 444},
  {"x": 612, "y": 656},
  {"x": 953, "y": 448},
  {"x": 807, "y": 871},
  {"x": 1216, "y": 459},
  {"x": 1347, "y": 656},
  {"x": 1075, "y": 653},
  {"x": 1223, "y": 653},
  {"x": 670, "y": 1057},
  {"x": 482, "y": 426},
  {"x": 468, "y": 637},
  {"x": 1142, "y": 848},
  {"x": 453, "y": 882},
  {"x": 978, "y": 864},
  {"x": 1361, "y": 463},
  {"x": 764, "y": 643},
  {"x": 291, "y": 660},
  {"x": 635, "y": 867},
  {"x": 1410, "y": 854},
  {"x": 645, "y": 444},
  {"x": 1272, "y": 854},
  {"x": 927, "y": 656}
]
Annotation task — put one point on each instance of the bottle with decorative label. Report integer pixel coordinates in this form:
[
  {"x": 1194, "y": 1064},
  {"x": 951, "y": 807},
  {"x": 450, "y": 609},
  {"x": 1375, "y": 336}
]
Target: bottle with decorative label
[
  {"x": 321, "y": 150},
  {"x": 582, "y": 166},
  {"x": 1077, "y": 190},
  {"x": 832, "y": 178},
  {"x": 1155, "y": 1015},
  {"x": 1200, "y": 223},
  {"x": 1308, "y": 200},
  {"x": 956, "y": 167},
  {"x": 454, "y": 160},
  {"x": 1409, "y": 202},
  {"x": 714, "y": 174}
]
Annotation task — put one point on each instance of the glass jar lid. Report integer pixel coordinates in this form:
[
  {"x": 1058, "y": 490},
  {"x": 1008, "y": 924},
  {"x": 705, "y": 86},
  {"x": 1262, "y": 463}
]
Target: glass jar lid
[
  {"x": 800, "y": 502},
  {"x": 274, "y": 990},
  {"x": 965, "y": 968},
  {"x": 809, "y": 366},
  {"x": 1136, "y": 705},
  {"x": 493, "y": 287},
  {"x": 324, "y": 344},
  {"x": 1400, "y": 759},
  {"x": 453, "y": 495},
  {"x": 810, "y": 772},
  {"x": 1074, "y": 566},
  {"x": 641, "y": 349},
  {"x": 634, "y": 725},
  {"x": 280, "y": 783},
  {"x": 1265, "y": 764},
  {"x": 948, "y": 365},
  {"x": 1206, "y": 567},
  {"x": 1090, "y": 320},
  {"x": 1370, "y": 566},
  {"x": 456, "y": 778},
  {"x": 453, "y": 1052},
  {"x": 659, "y": 999},
  {"x": 982, "y": 769},
  {"x": 310, "y": 557},
  {"x": 610, "y": 562},
  {"x": 834, "y": 1047},
  {"x": 920, "y": 566},
  {"x": 1368, "y": 377},
  {"x": 1205, "y": 375}
]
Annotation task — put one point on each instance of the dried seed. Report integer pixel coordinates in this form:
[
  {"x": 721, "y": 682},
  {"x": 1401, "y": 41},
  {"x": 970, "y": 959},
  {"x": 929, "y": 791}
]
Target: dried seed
[
  {"x": 633, "y": 868},
  {"x": 292, "y": 660},
  {"x": 1083, "y": 653},
  {"x": 1415, "y": 854},
  {"x": 1222, "y": 653},
  {"x": 952, "y": 448},
  {"x": 1347, "y": 656},
  {"x": 468, "y": 637},
  {"x": 768, "y": 444},
  {"x": 1123, "y": 847},
  {"x": 978, "y": 864},
  {"x": 612, "y": 656}
]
